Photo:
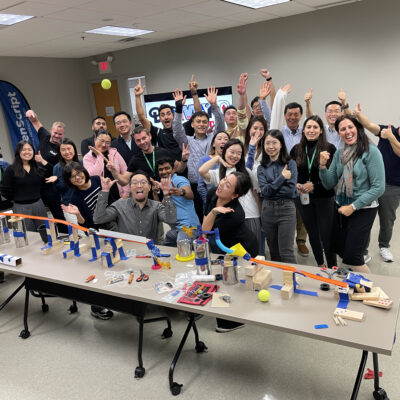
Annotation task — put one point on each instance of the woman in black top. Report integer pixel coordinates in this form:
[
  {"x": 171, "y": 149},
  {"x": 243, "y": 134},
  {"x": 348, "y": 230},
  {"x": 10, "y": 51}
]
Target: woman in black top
[
  {"x": 22, "y": 182},
  {"x": 315, "y": 204},
  {"x": 225, "y": 213}
]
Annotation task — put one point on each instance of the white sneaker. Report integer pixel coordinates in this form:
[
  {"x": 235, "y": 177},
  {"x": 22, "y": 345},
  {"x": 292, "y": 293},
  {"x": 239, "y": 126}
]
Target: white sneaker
[{"x": 386, "y": 254}]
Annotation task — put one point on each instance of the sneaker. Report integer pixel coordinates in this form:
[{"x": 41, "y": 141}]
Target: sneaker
[
  {"x": 367, "y": 258},
  {"x": 386, "y": 254},
  {"x": 101, "y": 313},
  {"x": 302, "y": 249},
  {"x": 228, "y": 326}
]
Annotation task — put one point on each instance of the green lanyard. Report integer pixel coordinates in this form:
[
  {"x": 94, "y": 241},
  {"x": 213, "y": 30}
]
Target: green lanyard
[
  {"x": 309, "y": 163},
  {"x": 153, "y": 168}
]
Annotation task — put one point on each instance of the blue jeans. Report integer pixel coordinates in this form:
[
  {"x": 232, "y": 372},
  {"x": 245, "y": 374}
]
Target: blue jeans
[
  {"x": 174, "y": 235},
  {"x": 278, "y": 219}
]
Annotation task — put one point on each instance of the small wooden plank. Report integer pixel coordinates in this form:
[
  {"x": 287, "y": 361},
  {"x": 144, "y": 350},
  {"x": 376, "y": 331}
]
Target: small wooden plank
[{"x": 349, "y": 314}]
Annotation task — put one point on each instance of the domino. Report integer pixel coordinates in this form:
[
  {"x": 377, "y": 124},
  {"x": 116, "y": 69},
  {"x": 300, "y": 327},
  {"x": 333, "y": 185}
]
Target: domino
[
  {"x": 348, "y": 314},
  {"x": 381, "y": 303}
]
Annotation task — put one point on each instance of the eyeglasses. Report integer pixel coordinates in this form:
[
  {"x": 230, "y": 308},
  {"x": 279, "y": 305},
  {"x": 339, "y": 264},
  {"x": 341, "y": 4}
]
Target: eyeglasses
[
  {"x": 334, "y": 111},
  {"x": 256, "y": 107},
  {"x": 273, "y": 144},
  {"x": 139, "y": 183},
  {"x": 74, "y": 176},
  {"x": 104, "y": 142},
  {"x": 124, "y": 121}
]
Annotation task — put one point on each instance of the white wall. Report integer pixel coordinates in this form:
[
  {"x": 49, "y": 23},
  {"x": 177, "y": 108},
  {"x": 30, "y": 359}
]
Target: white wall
[
  {"x": 354, "y": 47},
  {"x": 55, "y": 88}
]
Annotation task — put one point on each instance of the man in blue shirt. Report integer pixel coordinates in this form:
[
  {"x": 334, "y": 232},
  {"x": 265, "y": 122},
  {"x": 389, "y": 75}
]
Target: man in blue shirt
[{"x": 182, "y": 196}]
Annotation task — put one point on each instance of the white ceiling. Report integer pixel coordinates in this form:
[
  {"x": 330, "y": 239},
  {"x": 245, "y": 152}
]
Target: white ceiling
[{"x": 59, "y": 25}]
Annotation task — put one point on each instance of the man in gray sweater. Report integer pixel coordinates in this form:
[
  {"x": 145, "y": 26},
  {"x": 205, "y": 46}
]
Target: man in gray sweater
[{"x": 137, "y": 215}]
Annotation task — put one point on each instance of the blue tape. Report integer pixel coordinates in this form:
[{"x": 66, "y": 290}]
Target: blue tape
[
  {"x": 343, "y": 300},
  {"x": 277, "y": 287},
  {"x": 243, "y": 281},
  {"x": 18, "y": 234},
  {"x": 321, "y": 326},
  {"x": 306, "y": 292},
  {"x": 201, "y": 261}
]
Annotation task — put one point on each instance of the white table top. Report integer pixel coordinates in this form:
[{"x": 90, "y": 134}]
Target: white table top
[{"x": 297, "y": 315}]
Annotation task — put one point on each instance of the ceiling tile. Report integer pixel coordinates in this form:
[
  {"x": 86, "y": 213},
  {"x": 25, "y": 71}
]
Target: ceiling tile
[
  {"x": 30, "y": 8},
  {"x": 215, "y": 8}
]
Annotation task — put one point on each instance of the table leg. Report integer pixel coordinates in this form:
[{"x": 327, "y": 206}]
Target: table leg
[
  {"x": 379, "y": 393},
  {"x": 12, "y": 295},
  {"x": 25, "y": 332},
  {"x": 140, "y": 370}
]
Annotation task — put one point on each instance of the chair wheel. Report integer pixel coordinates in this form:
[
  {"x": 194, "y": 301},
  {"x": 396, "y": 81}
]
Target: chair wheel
[
  {"x": 167, "y": 333},
  {"x": 200, "y": 347},
  {"x": 72, "y": 309},
  {"x": 24, "y": 334},
  {"x": 176, "y": 388},
  {"x": 380, "y": 394},
  {"x": 45, "y": 307},
  {"x": 139, "y": 372}
]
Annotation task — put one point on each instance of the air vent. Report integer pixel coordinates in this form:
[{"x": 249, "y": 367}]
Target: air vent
[{"x": 128, "y": 39}]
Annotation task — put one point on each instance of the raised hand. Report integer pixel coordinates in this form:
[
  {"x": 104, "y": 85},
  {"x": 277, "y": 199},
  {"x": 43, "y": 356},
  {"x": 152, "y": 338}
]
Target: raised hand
[
  {"x": 174, "y": 191},
  {"x": 211, "y": 95},
  {"x": 98, "y": 153},
  {"x": 222, "y": 210},
  {"x": 342, "y": 96},
  {"x": 287, "y": 88},
  {"x": 256, "y": 137},
  {"x": 223, "y": 162},
  {"x": 324, "y": 157},
  {"x": 139, "y": 89},
  {"x": 265, "y": 90},
  {"x": 193, "y": 85},
  {"x": 265, "y": 73},
  {"x": 177, "y": 94},
  {"x": 308, "y": 96},
  {"x": 106, "y": 184},
  {"x": 387, "y": 133},
  {"x": 357, "y": 111},
  {"x": 165, "y": 185},
  {"x": 155, "y": 186},
  {"x": 51, "y": 179},
  {"x": 70, "y": 208},
  {"x": 31, "y": 115},
  {"x": 185, "y": 152},
  {"x": 40, "y": 159},
  {"x": 242, "y": 85},
  {"x": 286, "y": 172}
]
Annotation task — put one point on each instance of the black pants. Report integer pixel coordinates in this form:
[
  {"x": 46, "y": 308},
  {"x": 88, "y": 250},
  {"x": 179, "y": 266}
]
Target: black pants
[
  {"x": 198, "y": 202},
  {"x": 52, "y": 199},
  {"x": 318, "y": 218}
]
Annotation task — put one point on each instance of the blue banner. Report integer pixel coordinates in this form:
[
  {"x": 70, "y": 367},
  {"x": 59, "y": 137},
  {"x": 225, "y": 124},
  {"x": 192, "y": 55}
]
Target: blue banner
[{"x": 15, "y": 106}]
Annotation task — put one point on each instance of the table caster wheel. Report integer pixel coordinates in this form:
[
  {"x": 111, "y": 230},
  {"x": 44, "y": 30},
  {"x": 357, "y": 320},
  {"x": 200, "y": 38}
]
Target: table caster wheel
[
  {"x": 72, "y": 309},
  {"x": 201, "y": 347},
  {"x": 380, "y": 394},
  {"x": 24, "y": 334},
  {"x": 167, "y": 333},
  {"x": 139, "y": 372},
  {"x": 45, "y": 307},
  {"x": 176, "y": 388}
]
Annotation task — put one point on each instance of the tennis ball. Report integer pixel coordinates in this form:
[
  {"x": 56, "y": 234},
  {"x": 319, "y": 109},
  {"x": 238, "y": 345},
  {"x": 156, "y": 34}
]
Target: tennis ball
[
  {"x": 106, "y": 84},
  {"x": 263, "y": 295}
]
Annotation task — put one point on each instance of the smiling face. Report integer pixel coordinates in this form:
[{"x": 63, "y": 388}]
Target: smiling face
[
  {"x": 102, "y": 143},
  {"x": 56, "y": 133},
  {"x": 123, "y": 125},
  {"x": 26, "y": 152},
  {"x": 77, "y": 178},
  {"x": 257, "y": 127},
  {"x": 272, "y": 147},
  {"x": 332, "y": 113},
  {"x": 293, "y": 117},
  {"x": 67, "y": 152},
  {"x": 219, "y": 142},
  {"x": 227, "y": 187},
  {"x": 164, "y": 170},
  {"x": 143, "y": 141},
  {"x": 256, "y": 109},
  {"x": 233, "y": 154},
  {"x": 200, "y": 126},
  {"x": 140, "y": 188},
  {"x": 312, "y": 130},
  {"x": 98, "y": 124},
  {"x": 166, "y": 118},
  {"x": 348, "y": 132}
]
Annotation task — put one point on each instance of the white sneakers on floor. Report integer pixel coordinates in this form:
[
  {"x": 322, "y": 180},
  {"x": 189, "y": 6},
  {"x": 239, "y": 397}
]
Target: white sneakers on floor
[{"x": 386, "y": 254}]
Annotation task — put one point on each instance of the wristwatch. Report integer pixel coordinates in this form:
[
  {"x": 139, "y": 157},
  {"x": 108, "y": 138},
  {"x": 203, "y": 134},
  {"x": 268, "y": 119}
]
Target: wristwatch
[{"x": 183, "y": 192}]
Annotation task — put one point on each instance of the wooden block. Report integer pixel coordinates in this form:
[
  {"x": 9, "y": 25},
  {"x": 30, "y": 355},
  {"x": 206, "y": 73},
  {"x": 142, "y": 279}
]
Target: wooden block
[
  {"x": 83, "y": 247},
  {"x": 368, "y": 284},
  {"x": 262, "y": 258},
  {"x": 55, "y": 246},
  {"x": 119, "y": 243},
  {"x": 382, "y": 303},
  {"x": 372, "y": 295},
  {"x": 287, "y": 277},
  {"x": 336, "y": 321},
  {"x": 382, "y": 294},
  {"x": 249, "y": 283},
  {"x": 349, "y": 314},
  {"x": 75, "y": 235},
  {"x": 262, "y": 279},
  {"x": 251, "y": 270},
  {"x": 350, "y": 291},
  {"x": 342, "y": 321},
  {"x": 68, "y": 254},
  {"x": 287, "y": 292}
]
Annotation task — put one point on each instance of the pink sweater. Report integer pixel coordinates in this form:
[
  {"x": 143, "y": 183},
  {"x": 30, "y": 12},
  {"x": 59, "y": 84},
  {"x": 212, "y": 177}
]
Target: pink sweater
[{"x": 95, "y": 166}]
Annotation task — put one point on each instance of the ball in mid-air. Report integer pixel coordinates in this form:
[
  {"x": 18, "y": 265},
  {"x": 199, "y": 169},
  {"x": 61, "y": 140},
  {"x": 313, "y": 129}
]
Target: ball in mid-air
[{"x": 106, "y": 84}]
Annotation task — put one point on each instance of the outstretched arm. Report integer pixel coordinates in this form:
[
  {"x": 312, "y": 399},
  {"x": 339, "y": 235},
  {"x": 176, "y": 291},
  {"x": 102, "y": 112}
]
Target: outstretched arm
[
  {"x": 31, "y": 115},
  {"x": 139, "y": 90},
  {"x": 307, "y": 99},
  {"x": 193, "y": 86},
  {"x": 365, "y": 122},
  {"x": 277, "y": 115}
]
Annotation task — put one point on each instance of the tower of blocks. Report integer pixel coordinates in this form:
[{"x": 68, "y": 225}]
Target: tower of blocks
[
  {"x": 75, "y": 248},
  {"x": 288, "y": 285},
  {"x": 257, "y": 278},
  {"x": 94, "y": 245},
  {"x": 113, "y": 252},
  {"x": 52, "y": 242}
]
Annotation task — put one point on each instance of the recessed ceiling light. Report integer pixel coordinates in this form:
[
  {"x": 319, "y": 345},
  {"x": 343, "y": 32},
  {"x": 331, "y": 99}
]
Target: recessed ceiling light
[
  {"x": 11, "y": 19},
  {"x": 118, "y": 31},
  {"x": 256, "y": 3}
]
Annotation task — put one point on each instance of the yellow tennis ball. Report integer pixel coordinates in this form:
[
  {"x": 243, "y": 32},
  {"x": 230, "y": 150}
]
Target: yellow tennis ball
[
  {"x": 263, "y": 295},
  {"x": 106, "y": 84}
]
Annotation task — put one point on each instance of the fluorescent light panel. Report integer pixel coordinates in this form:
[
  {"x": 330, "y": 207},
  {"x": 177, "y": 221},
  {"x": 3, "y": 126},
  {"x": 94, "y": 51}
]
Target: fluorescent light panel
[
  {"x": 256, "y": 3},
  {"x": 11, "y": 19},
  {"x": 118, "y": 31}
]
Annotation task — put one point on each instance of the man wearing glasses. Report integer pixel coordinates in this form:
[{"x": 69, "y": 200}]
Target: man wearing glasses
[{"x": 136, "y": 215}]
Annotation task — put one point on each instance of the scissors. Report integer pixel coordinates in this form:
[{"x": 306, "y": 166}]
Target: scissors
[{"x": 143, "y": 277}]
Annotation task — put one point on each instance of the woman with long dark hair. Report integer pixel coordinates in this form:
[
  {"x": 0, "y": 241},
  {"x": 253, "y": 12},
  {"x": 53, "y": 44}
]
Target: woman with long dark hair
[
  {"x": 22, "y": 182},
  {"x": 315, "y": 203},
  {"x": 232, "y": 159},
  {"x": 357, "y": 171},
  {"x": 277, "y": 177},
  {"x": 255, "y": 131}
]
